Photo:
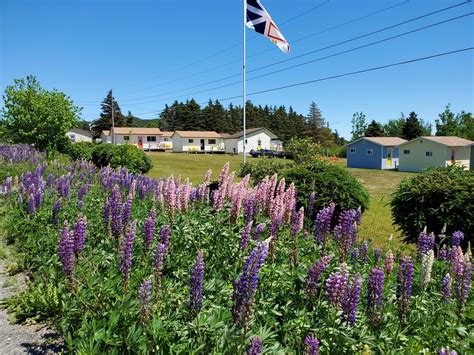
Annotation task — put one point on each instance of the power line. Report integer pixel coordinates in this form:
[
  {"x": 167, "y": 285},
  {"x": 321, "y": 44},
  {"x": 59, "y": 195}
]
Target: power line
[
  {"x": 301, "y": 64},
  {"x": 337, "y": 76},
  {"x": 271, "y": 49}
]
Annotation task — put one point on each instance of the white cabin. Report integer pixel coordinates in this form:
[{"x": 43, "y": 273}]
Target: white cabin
[
  {"x": 197, "y": 141},
  {"x": 77, "y": 135},
  {"x": 256, "y": 139}
]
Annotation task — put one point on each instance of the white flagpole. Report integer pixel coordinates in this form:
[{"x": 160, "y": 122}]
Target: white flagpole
[{"x": 244, "y": 79}]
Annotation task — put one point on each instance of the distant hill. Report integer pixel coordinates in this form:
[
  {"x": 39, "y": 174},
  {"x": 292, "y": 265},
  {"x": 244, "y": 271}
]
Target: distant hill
[{"x": 138, "y": 122}]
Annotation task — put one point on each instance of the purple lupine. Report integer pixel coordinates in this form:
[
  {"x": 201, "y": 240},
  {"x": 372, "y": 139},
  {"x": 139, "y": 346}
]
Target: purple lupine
[
  {"x": 404, "y": 286},
  {"x": 335, "y": 287},
  {"x": 425, "y": 242},
  {"x": 446, "y": 288},
  {"x": 310, "y": 208},
  {"x": 374, "y": 295},
  {"x": 388, "y": 262},
  {"x": 195, "y": 283},
  {"x": 311, "y": 345},
  {"x": 20, "y": 199},
  {"x": 444, "y": 351},
  {"x": 116, "y": 212},
  {"x": 377, "y": 255},
  {"x": 126, "y": 251},
  {"x": 80, "y": 229},
  {"x": 245, "y": 235},
  {"x": 31, "y": 204},
  {"x": 258, "y": 231},
  {"x": 149, "y": 229},
  {"x": 126, "y": 210},
  {"x": 313, "y": 275},
  {"x": 171, "y": 197},
  {"x": 246, "y": 285},
  {"x": 255, "y": 346},
  {"x": 322, "y": 224},
  {"x": 354, "y": 255},
  {"x": 158, "y": 264},
  {"x": 145, "y": 297},
  {"x": 82, "y": 192},
  {"x": 462, "y": 282},
  {"x": 298, "y": 222},
  {"x": 55, "y": 211},
  {"x": 443, "y": 253},
  {"x": 351, "y": 300},
  {"x": 457, "y": 238},
  {"x": 249, "y": 207},
  {"x": 363, "y": 250},
  {"x": 165, "y": 235},
  {"x": 38, "y": 198},
  {"x": 66, "y": 250},
  {"x": 8, "y": 185},
  {"x": 344, "y": 226}
]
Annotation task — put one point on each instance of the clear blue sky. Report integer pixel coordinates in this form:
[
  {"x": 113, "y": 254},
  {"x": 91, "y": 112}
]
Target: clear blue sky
[{"x": 139, "y": 48}]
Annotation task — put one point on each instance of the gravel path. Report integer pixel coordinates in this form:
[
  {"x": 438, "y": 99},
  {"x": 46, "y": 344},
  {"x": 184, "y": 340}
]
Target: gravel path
[{"x": 22, "y": 339}]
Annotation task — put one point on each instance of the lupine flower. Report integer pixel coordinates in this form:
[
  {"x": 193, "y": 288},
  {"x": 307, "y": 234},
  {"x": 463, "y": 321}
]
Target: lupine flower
[
  {"x": 31, "y": 204},
  {"x": 245, "y": 235},
  {"x": 258, "y": 231},
  {"x": 255, "y": 346},
  {"x": 249, "y": 207},
  {"x": 344, "y": 226},
  {"x": 457, "y": 238},
  {"x": 246, "y": 285},
  {"x": 80, "y": 229},
  {"x": 126, "y": 250},
  {"x": 443, "y": 253},
  {"x": 462, "y": 282},
  {"x": 377, "y": 255},
  {"x": 165, "y": 235},
  {"x": 66, "y": 250},
  {"x": 38, "y": 198},
  {"x": 298, "y": 222},
  {"x": 149, "y": 229},
  {"x": 126, "y": 210},
  {"x": 20, "y": 199},
  {"x": 311, "y": 345},
  {"x": 427, "y": 260},
  {"x": 335, "y": 287},
  {"x": 145, "y": 296},
  {"x": 351, "y": 300},
  {"x": 195, "y": 283},
  {"x": 158, "y": 263},
  {"x": 404, "y": 286},
  {"x": 388, "y": 263},
  {"x": 171, "y": 197},
  {"x": 444, "y": 351},
  {"x": 374, "y": 295},
  {"x": 82, "y": 192},
  {"x": 363, "y": 249},
  {"x": 116, "y": 212},
  {"x": 322, "y": 224},
  {"x": 8, "y": 185},
  {"x": 311, "y": 204},
  {"x": 236, "y": 203},
  {"x": 426, "y": 242},
  {"x": 55, "y": 212},
  {"x": 314, "y": 273},
  {"x": 446, "y": 287}
]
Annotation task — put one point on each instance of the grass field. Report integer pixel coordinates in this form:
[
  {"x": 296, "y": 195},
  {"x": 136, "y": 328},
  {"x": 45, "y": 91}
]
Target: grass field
[{"x": 376, "y": 222}]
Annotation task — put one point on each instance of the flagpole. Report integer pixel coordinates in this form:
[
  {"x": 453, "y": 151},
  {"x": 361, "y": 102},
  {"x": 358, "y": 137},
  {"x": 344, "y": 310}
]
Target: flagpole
[{"x": 244, "y": 88}]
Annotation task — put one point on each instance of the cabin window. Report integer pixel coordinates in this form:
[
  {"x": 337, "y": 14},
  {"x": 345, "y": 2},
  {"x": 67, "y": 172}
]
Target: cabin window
[
  {"x": 452, "y": 154},
  {"x": 211, "y": 141},
  {"x": 190, "y": 140},
  {"x": 126, "y": 138},
  {"x": 246, "y": 142},
  {"x": 353, "y": 150},
  {"x": 73, "y": 137},
  {"x": 151, "y": 139},
  {"x": 259, "y": 142},
  {"x": 406, "y": 151},
  {"x": 166, "y": 139},
  {"x": 370, "y": 152},
  {"x": 429, "y": 154}
]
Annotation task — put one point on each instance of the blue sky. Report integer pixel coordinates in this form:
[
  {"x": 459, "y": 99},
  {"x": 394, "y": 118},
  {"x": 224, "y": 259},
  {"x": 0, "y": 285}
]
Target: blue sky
[{"x": 144, "y": 48}]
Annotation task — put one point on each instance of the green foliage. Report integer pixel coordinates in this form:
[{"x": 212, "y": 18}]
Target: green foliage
[
  {"x": 302, "y": 150},
  {"x": 394, "y": 128},
  {"x": 449, "y": 124},
  {"x": 261, "y": 167},
  {"x": 81, "y": 151},
  {"x": 415, "y": 127},
  {"x": 331, "y": 183},
  {"x": 104, "y": 123},
  {"x": 359, "y": 125},
  {"x": 433, "y": 198},
  {"x": 34, "y": 115},
  {"x": 126, "y": 155},
  {"x": 374, "y": 129}
]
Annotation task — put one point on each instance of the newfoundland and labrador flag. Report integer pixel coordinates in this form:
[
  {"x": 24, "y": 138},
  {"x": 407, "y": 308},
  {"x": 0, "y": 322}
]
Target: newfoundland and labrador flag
[{"x": 259, "y": 20}]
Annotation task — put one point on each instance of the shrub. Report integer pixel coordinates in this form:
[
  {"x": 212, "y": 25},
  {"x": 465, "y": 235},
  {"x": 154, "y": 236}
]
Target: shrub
[
  {"x": 331, "y": 183},
  {"x": 127, "y": 156},
  {"x": 433, "y": 198},
  {"x": 261, "y": 168},
  {"x": 303, "y": 150},
  {"x": 81, "y": 151}
]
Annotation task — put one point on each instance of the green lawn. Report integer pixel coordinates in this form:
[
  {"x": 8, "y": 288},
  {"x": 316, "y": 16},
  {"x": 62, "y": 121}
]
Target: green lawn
[{"x": 376, "y": 222}]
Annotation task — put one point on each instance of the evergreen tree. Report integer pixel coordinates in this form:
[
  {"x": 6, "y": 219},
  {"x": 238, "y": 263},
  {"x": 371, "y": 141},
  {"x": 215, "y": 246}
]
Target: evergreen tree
[
  {"x": 412, "y": 127},
  {"x": 104, "y": 123},
  {"x": 359, "y": 125},
  {"x": 374, "y": 129},
  {"x": 129, "y": 119},
  {"x": 315, "y": 123}
]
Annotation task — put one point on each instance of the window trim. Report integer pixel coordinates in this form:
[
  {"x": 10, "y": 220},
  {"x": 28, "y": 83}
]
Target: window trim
[
  {"x": 352, "y": 150},
  {"x": 369, "y": 150},
  {"x": 151, "y": 138},
  {"x": 190, "y": 140},
  {"x": 126, "y": 138},
  {"x": 406, "y": 151},
  {"x": 428, "y": 154},
  {"x": 212, "y": 141}
]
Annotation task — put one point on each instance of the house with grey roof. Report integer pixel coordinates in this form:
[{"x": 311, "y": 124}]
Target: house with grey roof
[{"x": 256, "y": 139}]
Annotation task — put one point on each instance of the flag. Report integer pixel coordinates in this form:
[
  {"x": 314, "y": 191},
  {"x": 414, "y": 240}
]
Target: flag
[{"x": 259, "y": 20}]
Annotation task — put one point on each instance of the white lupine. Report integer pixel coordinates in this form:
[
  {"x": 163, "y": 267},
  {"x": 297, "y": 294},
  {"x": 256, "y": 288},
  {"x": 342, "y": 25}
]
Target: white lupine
[{"x": 427, "y": 260}]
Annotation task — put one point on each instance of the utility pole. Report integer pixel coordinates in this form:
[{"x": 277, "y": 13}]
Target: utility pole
[{"x": 113, "y": 123}]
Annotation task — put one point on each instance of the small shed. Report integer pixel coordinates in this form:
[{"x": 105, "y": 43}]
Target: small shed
[
  {"x": 432, "y": 151},
  {"x": 374, "y": 152},
  {"x": 256, "y": 139},
  {"x": 197, "y": 141},
  {"x": 77, "y": 135}
]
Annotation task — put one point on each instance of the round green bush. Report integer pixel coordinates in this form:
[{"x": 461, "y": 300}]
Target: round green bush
[
  {"x": 116, "y": 156},
  {"x": 81, "y": 151},
  {"x": 433, "y": 198}
]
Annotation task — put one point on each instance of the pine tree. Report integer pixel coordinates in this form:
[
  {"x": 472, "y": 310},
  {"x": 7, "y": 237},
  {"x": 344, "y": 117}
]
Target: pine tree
[
  {"x": 130, "y": 119},
  {"x": 104, "y": 123},
  {"x": 315, "y": 122},
  {"x": 412, "y": 127},
  {"x": 374, "y": 129}
]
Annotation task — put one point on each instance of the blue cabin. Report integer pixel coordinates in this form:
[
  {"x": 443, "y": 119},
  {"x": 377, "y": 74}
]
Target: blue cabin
[{"x": 374, "y": 152}]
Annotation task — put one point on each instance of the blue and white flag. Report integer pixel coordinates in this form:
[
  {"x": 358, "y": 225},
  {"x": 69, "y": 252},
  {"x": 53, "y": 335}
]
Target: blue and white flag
[{"x": 259, "y": 20}]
